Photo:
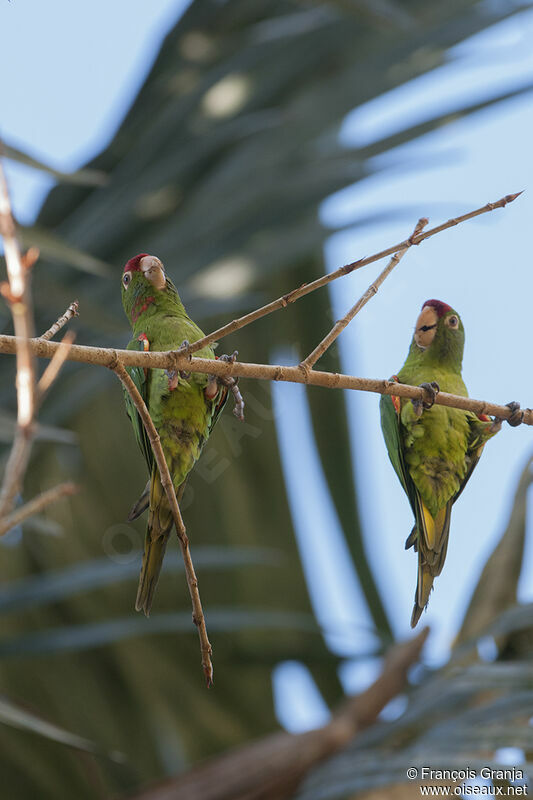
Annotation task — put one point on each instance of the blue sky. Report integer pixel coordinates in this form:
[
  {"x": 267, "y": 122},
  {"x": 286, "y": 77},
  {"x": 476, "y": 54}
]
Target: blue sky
[
  {"x": 68, "y": 90},
  {"x": 66, "y": 95}
]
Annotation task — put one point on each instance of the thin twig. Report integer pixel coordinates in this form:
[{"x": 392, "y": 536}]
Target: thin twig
[
  {"x": 19, "y": 301},
  {"x": 29, "y": 258},
  {"x": 72, "y": 311},
  {"x": 174, "y": 359},
  {"x": 53, "y": 368},
  {"x": 306, "y": 288},
  {"x": 36, "y": 505},
  {"x": 18, "y": 296},
  {"x": 168, "y": 486},
  {"x": 341, "y": 324},
  {"x": 16, "y": 465}
]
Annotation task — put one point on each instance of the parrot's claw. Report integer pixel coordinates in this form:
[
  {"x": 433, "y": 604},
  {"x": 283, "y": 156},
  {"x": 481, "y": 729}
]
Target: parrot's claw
[
  {"x": 516, "y": 418},
  {"x": 231, "y": 383},
  {"x": 174, "y": 375},
  {"x": 517, "y": 415},
  {"x": 183, "y": 373},
  {"x": 229, "y": 359},
  {"x": 431, "y": 389},
  {"x": 173, "y": 379}
]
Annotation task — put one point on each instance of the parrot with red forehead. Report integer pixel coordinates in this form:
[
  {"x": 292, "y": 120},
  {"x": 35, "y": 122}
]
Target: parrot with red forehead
[
  {"x": 434, "y": 448},
  {"x": 183, "y": 406}
]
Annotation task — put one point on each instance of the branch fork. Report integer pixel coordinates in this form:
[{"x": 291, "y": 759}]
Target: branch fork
[
  {"x": 28, "y": 394},
  {"x": 340, "y": 325}
]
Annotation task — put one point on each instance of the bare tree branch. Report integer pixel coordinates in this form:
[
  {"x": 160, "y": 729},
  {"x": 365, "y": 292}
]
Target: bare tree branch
[
  {"x": 306, "y": 288},
  {"x": 17, "y": 294},
  {"x": 168, "y": 486},
  {"x": 341, "y": 324},
  {"x": 36, "y": 505},
  {"x": 54, "y": 367},
  {"x": 174, "y": 359},
  {"x": 72, "y": 311}
]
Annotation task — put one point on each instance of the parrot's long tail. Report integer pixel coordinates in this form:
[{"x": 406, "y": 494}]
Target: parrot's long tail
[
  {"x": 160, "y": 522},
  {"x": 432, "y": 545}
]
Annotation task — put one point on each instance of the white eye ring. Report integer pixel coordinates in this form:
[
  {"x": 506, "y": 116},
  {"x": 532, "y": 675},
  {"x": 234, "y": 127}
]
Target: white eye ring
[
  {"x": 126, "y": 278},
  {"x": 453, "y": 322}
]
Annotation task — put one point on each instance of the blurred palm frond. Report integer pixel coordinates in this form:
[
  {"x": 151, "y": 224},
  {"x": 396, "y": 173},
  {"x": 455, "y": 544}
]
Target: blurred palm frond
[{"x": 219, "y": 167}]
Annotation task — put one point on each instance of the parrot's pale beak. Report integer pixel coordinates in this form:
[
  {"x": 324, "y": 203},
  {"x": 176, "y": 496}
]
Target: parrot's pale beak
[
  {"x": 152, "y": 269},
  {"x": 426, "y": 327}
]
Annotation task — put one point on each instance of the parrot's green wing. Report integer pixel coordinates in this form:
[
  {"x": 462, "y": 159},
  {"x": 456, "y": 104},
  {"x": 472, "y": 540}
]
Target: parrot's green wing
[
  {"x": 423, "y": 536},
  {"x": 390, "y": 425},
  {"x": 480, "y": 433},
  {"x": 141, "y": 381}
]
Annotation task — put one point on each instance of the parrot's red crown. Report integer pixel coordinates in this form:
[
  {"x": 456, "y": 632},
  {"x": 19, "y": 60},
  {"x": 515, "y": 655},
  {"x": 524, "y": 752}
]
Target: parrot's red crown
[
  {"x": 134, "y": 263},
  {"x": 440, "y": 307}
]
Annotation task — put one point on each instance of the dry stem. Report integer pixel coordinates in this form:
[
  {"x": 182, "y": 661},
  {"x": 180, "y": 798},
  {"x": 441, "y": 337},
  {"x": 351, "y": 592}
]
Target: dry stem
[
  {"x": 166, "y": 482},
  {"x": 53, "y": 368},
  {"x": 72, "y": 311},
  {"x": 341, "y": 324},
  {"x": 36, "y": 505},
  {"x": 306, "y": 288},
  {"x": 107, "y": 357},
  {"x": 18, "y": 297}
]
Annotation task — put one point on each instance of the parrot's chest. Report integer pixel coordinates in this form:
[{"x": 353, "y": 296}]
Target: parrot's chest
[
  {"x": 435, "y": 448},
  {"x": 181, "y": 415}
]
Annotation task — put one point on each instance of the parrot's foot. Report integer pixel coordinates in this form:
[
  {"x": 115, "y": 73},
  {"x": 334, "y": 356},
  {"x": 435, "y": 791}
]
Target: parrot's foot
[
  {"x": 183, "y": 373},
  {"x": 173, "y": 379},
  {"x": 517, "y": 415},
  {"x": 516, "y": 418},
  {"x": 184, "y": 346},
  {"x": 215, "y": 381},
  {"x": 175, "y": 375},
  {"x": 431, "y": 389}
]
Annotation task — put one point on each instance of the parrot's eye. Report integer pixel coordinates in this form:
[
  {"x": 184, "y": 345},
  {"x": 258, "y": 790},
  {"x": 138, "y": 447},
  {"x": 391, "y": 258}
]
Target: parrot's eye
[
  {"x": 453, "y": 322},
  {"x": 126, "y": 278}
]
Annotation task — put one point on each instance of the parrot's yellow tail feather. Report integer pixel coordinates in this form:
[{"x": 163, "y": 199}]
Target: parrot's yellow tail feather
[
  {"x": 434, "y": 532},
  {"x": 423, "y": 589},
  {"x": 154, "y": 552},
  {"x": 429, "y": 527}
]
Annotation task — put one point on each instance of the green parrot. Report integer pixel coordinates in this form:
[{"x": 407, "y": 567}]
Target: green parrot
[
  {"x": 434, "y": 451},
  {"x": 183, "y": 407}
]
